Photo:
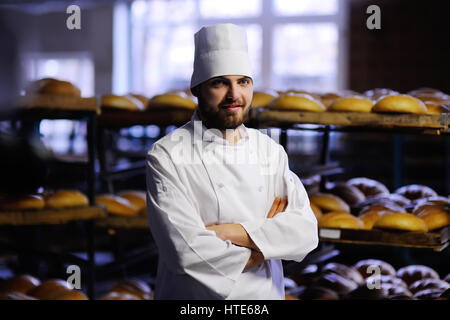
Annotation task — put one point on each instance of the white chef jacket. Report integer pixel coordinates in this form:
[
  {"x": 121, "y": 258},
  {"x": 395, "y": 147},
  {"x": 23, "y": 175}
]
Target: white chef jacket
[{"x": 196, "y": 178}]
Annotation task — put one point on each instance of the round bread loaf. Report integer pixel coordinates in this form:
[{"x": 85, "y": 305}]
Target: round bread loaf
[
  {"x": 400, "y": 221},
  {"x": 70, "y": 295},
  {"x": 400, "y": 103},
  {"x": 315, "y": 293},
  {"x": 426, "y": 91},
  {"x": 329, "y": 202},
  {"x": 23, "y": 283},
  {"x": 59, "y": 87},
  {"x": 13, "y": 295},
  {"x": 136, "y": 197},
  {"x": 369, "y": 187},
  {"x": 347, "y": 272},
  {"x": 133, "y": 286},
  {"x": 29, "y": 202},
  {"x": 261, "y": 99},
  {"x": 351, "y": 104},
  {"x": 119, "y": 296},
  {"x": 294, "y": 91},
  {"x": 141, "y": 98},
  {"x": 328, "y": 98},
  {"x": 177, "y": 99},
  {"x": 316, "y": 210},
  {"x": 430, "y": 202},
  {"x": 424, "y": 284},
  {"x": 416, "y": 191},
  {"x": 35, "y": 86},
  {"x": 126, "y": 102},
  {"x": 393, "y": 289},
  {"x": 434, "y": 217},
  {"x": 49, "y": 289},
  {"x": 297, "y": 101},
  {"x": 369, "y": 218},
  {"x": 65, "y": 199},
  {"x": 380, "y": 203},
  {"x": 348, "y": 193},
  {"x": 305, "y": 276},
  {"x": 366, "y": 265},
  {"x": 428, "y": 294},
  {"x": 117, "y": 205},
  {"x": 340, "y": 220},
  {"x": 437, "y": 107},
  {"x": 412, "y": 273},
  {"x": 377, "y": 93},
  {"x": 365, "y": 293},
  {"x": 401, "y": 296},
  {"x": 335, "y": 282},
  {"x": 432, "y": 98},
  {"x": 287, "y": 296}
]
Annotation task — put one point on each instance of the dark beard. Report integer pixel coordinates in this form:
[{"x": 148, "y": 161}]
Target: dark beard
[{"x": 220, "y": 121}]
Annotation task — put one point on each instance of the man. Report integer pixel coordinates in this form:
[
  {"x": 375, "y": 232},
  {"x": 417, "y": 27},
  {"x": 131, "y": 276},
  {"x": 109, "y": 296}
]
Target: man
[{"x": 224, "y": 208}]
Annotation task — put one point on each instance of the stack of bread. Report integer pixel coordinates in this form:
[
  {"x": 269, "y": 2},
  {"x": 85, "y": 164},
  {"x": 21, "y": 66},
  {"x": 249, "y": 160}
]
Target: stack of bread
[
  {"x": 384, "y": 100},
  {"x": 124, "y": 203},
  {"x": 364, "y": 203},
  {"x": 28, "y": 287},
  {"x": 128, "y": 289},
  {"x": 367, "y": 279},
  {"x": 59, "y": 199}
]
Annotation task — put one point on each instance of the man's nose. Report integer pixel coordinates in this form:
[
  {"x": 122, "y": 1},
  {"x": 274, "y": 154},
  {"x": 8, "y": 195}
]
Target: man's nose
[{"x": 233, "y": 92}]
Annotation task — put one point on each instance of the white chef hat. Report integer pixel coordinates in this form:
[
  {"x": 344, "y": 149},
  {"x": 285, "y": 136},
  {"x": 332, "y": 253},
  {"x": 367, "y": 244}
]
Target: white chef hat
[{"x": 220, "y": 50}]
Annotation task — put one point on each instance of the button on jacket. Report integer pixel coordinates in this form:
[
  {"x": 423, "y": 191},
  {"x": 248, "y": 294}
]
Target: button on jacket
[{"x": 196, "y": 178}]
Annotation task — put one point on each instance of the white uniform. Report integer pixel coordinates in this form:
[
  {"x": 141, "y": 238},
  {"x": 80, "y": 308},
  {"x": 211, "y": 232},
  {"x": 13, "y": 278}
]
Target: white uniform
[{"x": 195, "y": 178}]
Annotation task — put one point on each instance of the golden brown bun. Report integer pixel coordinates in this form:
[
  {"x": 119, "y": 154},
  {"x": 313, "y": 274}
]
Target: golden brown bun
[
  {"x": 350, "y": 194},
  {"x": 136, "y": 197},
  {"x": 315, "y": 96},
  {"x": 435, "y": 217},
  {"x": 440, "y": 99},
  {"x": 66, "y": 199},
  {"x": 436, "y": 108},
  {"x": 21, "y": 283},
  {"x": 47, "y": 290},
  {"x": 369, "y": 187},
  {"x": 141, "y": 98},
  {"x": 371, "y": 216},
  {"x": 329, "y": 202},
  {"x": 59, "y": 87},
  {"x": 119, "y": 296},
  {"x": 261, "y": 99},
  {"x": 30, "y": 202},
  {"x": 430, "y": 202},
  {"x": 328, "y": 98},
  {"x": 133, "y": 286},
  {"x": 287, "y": 296},
  {"x": 401, "y": 221},
  {"x": 70, "y": 295},
  {"x": 117, "y": 205},
  {"x": 412, "y": 273},
  {"x": 178, "y": 99},
  {"x": 340, "y": 220},
  {"x": 126, "y": 102},
  {"x": 352, "y": 104},
  {"x": 35, "y": 87},
  {"x": 400, "y": 103},
  {"x": 297, "y": 101},
  {"x": 348, "y": 272},
  {"x": 377, "y": 93},
  {"x": 416, "y": 191},
  {"x": 143, "y": 211},
  {"x": 366, "y": 271},
  {"x": 316, "y": 210}
]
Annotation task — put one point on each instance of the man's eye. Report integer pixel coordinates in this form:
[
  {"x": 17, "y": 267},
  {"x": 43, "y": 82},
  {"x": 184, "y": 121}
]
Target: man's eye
[
  {"x": 245, "y": 81},
  {"x": 216, "y": 83}
]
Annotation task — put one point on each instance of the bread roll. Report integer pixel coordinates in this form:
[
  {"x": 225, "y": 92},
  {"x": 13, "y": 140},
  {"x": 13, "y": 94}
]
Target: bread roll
[
  {"x": 133, "y": 286},
  {"x": 377, "y": 93},
  {"x": 47, "y": 290},
  {"x": 178, "y": 99},
  {"x": 297, "y": 101},
  {"x": 369, "y": 187},
  {"x": 425, "y": 284},
  {"x": 348, "y": 193},
  {"x": 328, "y": 98},
  {"x": 346, "y": 271},
  {"x": 363, "y": 267},
  {"x": 65, "y": 199},
  {"x": 400, "y": 103},
  {"x": 70, "y": 295},
  {"x": 23, "y": 283},
  {"x": 401, "y": 221},
  {"x": 12, "y": 295},
  {"x": 365, "y": 293},
  {"x": 415, "y": 191},
  {"x": 351, "y": 104},
  {"x": 436, "y": 107},
  {"x": 119, "y": 296},
  {"x": 340, "y": 220},
  {"x": 428, "y": 294},
  {"x": 309, "y": 93},
  {"x": 316, "y": 210},
  {"x": 329, "y": 202},
  {"x": 315, "y": 293},
  {"x": 412, "y": 273},
  {"x": 425, "y": 91},
  {"x": 30, "y": 202},
  {"x": 136, "y": 197},
  {"x": 261, "y": 99},
  {"x": 59, "y": 87},
  {"x": 434, "y": 217},
  {"x": 126, "y": 102},
  {"x": 370, "y": 217},
  {"x": 141, "y": 98},
  {"x": 393, "y": 289},
  {"x": 117, "y": 205},
  {"x": 335, "y": 282}
]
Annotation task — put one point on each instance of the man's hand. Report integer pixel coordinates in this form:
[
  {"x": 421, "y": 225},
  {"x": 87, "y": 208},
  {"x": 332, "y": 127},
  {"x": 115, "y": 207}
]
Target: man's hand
[
  {"x": 256, "y": 258},
  {"x": 278, "y": 205}
]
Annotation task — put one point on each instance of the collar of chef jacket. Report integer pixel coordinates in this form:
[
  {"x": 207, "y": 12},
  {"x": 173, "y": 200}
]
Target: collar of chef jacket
[{"x": 215, "y": 135}]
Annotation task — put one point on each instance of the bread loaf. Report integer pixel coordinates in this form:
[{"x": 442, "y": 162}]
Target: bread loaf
[
  {"x": 297, "y": 101},
  {"x": 117, "y": 205},
  {"x": 66, "y": 199},
  {"x": 400, "y": 103},
  {"x": 401, "y": 221}
]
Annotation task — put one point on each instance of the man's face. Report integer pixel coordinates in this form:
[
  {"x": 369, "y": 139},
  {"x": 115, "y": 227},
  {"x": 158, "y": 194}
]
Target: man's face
[{"x": 224, "y": 102}]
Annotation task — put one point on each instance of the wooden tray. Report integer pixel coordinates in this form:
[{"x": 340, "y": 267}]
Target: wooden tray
[
  {"x": 122, "y": 222},
  {"x": 51, "y": 216},
  {"x": 59, "y": 102},
  {"x": 433, "y": 122},
  {"x": 433, "y": 240},
  {"x": 164, "y": 117}
]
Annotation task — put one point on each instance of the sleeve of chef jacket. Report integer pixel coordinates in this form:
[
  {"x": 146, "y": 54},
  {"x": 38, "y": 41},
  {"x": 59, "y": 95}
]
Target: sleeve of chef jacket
[
  {"x": 291, "y": 234},
  {"x": 184, "y": 243}
]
